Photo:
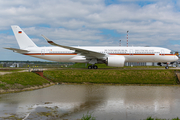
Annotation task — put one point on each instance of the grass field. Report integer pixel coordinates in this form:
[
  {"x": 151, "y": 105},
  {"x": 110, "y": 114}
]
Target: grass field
[
  {"x": 84, "y": 65},
  {"x": 113, "y": 76},
  {"x": 20, "y": 80}
]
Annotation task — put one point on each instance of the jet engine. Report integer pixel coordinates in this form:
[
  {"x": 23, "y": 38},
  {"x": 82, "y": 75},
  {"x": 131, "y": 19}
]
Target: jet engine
[{"x": 115, "y": 61}]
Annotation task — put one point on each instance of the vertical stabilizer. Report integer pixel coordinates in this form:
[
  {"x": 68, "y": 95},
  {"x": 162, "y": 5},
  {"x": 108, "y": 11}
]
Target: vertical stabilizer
[{"x": 23, "y": 40}]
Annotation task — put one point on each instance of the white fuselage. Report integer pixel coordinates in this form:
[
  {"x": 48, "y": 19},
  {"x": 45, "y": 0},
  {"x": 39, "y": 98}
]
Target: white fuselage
[{"x": 131, "y": 54}]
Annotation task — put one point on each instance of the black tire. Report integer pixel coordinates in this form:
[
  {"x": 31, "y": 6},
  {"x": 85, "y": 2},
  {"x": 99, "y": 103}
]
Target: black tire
[
  {"x": 95, "y": 67},
  {"x": 166, "y": 67},
  {"x": 90, "y": 67}
]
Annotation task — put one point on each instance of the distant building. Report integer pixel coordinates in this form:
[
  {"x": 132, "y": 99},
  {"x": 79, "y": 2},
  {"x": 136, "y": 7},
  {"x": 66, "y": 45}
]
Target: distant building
[{"x": 13, "y": 65}]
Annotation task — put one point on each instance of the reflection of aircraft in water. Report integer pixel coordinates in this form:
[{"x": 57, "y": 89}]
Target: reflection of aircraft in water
[
  {"x": 71, "y": 100},
  {"x": 125, "y": 102},
  {"x": 105, "y": 101},
  {"x": 111, "y": 56},
  {"x": 114, "y": 102},
  {"x": 90, "y": 101}
]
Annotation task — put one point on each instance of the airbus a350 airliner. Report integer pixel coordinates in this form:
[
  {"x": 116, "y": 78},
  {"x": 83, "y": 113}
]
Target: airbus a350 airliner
[{"x": 111, "y": 56}]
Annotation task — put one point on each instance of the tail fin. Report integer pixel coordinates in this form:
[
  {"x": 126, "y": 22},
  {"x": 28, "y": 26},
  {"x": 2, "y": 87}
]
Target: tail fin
[{"x": 23, "y": 40}]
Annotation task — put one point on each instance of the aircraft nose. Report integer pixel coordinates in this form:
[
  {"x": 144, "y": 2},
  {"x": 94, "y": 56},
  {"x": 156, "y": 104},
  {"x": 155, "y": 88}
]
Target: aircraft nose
[{"x": 176, "y": 58}]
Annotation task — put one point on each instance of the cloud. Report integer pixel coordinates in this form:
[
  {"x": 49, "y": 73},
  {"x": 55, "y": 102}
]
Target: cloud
[{"x": 80, "y": 22}]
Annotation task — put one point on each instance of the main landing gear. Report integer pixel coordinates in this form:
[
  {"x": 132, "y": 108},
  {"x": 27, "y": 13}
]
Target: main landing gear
[
  {"x": 160, "y": 64},
  {"x": 166, "y": 67},
  {"x": 92, "y": 67}
]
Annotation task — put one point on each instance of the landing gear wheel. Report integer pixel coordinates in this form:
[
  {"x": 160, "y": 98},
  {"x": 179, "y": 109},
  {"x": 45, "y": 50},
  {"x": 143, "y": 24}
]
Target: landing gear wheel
[
  {"x": 95, "y": 67},
  {"x": 90, "y": 67},
  {"x": 166, "y": 67}
]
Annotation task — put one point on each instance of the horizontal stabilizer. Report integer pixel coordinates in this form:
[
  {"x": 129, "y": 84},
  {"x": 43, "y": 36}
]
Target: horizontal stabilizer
[{"x": 17, "y": 50}]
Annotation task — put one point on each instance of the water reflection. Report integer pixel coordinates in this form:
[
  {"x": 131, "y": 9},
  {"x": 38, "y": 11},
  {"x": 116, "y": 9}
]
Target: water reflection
[{"x": 105, "y": 101}]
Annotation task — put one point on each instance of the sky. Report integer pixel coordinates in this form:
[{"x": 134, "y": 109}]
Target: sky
[{"x": 153, "y": 23}]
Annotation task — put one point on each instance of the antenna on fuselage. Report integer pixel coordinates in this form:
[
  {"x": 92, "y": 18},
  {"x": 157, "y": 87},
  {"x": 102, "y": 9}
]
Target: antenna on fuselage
[
  {"x": 127, "y": 38},
  {"x": 119, "y": 42}
]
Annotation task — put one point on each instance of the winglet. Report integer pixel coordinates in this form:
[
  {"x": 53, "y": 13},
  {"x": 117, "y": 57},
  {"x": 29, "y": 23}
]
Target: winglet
[
  {"x": 47, "y": 39},
  {"x": 50, "y": 41}
]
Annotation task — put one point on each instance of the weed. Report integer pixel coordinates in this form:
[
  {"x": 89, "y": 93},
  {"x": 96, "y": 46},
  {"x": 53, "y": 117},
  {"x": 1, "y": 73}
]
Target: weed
[
  {"x": 176, "y": 118},
  {"x": 150, "y": 118},
  {"x": 88, "y": 117}
]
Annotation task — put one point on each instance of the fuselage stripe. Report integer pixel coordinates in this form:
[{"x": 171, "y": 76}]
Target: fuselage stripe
[{"x": 109, "y": 54}]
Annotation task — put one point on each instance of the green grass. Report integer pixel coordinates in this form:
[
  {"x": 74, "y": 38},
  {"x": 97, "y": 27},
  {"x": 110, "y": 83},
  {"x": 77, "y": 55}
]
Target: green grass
[
  {"x": 88, "y": 117},
  {"x": 99, "y": 76},
  {"x": 117, "y": 76},
  {"x": 25, "y": 79},
  {"x": 150, "y": 118},
  {"x": 84, "y": 65}
]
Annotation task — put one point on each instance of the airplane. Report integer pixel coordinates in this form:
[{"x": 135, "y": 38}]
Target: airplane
[{"x": 111, "y": 56}]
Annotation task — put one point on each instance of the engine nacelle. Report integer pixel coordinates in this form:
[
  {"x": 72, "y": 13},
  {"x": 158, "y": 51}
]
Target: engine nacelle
[{"x": 115, "y": 61}]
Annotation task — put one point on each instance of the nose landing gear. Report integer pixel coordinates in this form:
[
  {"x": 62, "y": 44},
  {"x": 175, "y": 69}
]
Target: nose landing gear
[{"x": 167, "y": 67}]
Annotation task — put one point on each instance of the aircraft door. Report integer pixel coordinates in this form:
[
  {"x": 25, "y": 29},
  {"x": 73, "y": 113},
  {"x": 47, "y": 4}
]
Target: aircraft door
[
  {"x": 156, "y": 53},
  {"x": 131, "y": 52},
  {"x": 43, "y": 52},
  {"x": 162, "y": 52}
]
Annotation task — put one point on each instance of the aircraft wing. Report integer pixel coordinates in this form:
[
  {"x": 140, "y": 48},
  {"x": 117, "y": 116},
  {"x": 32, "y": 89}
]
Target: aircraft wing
[
  {"x": 17, "y": 50},
  {"x": 84, "y": 52}
]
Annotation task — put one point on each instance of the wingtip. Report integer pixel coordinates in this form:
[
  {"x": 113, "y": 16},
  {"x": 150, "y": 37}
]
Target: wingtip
[{"x": 47, "y": 39}]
